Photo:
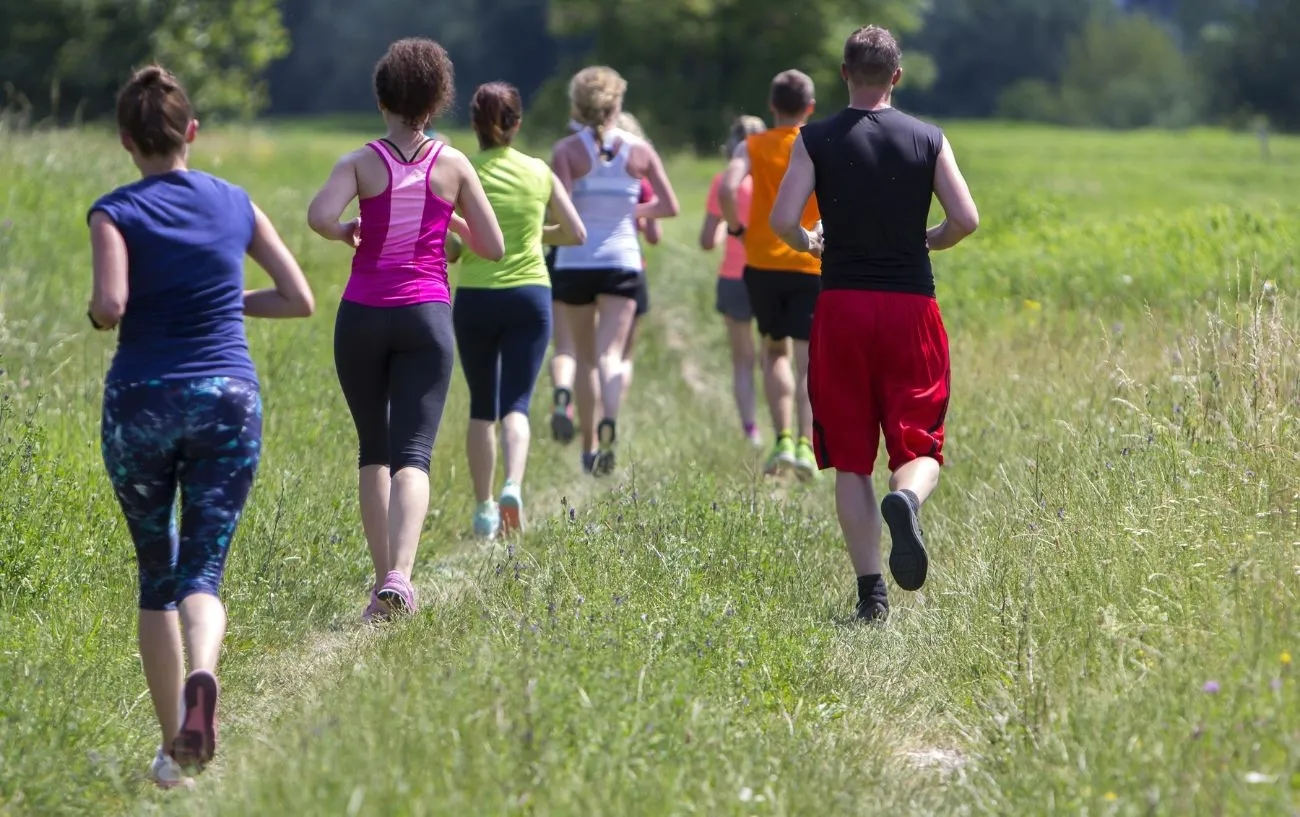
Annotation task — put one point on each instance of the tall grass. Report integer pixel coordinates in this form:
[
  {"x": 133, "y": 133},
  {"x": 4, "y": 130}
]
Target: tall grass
[{"x": 1108, "y": 628}]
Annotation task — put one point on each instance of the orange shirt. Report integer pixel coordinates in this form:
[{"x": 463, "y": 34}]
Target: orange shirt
[{"x": 769, "y": 156}]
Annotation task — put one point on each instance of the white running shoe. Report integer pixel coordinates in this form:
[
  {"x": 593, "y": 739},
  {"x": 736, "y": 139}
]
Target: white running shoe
[{"x": 167, "y": 773}]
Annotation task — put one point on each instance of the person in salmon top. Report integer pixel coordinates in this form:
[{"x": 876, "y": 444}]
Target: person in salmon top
[
  {"x": 502, "y": 313},
  {"x": 182, "y": 406},
  {"x": 596, "y": 284},
  {"x": 732, "y": 296},
  {"x": 879, "y": 349},
  {"x": 393, "y": 337},
  {"x": 783, "y": 284}
]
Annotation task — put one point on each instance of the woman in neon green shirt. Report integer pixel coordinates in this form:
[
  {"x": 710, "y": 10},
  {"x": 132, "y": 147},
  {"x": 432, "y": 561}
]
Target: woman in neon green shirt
[{"x": 502, "y": 311}]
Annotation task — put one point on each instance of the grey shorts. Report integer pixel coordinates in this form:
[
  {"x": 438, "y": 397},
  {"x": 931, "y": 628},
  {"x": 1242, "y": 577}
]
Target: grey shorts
[{"x": 733, "y": 299}]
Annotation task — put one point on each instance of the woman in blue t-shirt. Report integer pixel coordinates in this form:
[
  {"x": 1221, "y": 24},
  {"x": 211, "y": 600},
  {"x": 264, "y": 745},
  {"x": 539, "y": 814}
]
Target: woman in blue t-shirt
[{"x": 181, "y": 402}]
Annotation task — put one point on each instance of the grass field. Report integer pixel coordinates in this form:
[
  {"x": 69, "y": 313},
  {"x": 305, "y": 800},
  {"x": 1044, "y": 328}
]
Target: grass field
[{"x": 1108, "y": 627}]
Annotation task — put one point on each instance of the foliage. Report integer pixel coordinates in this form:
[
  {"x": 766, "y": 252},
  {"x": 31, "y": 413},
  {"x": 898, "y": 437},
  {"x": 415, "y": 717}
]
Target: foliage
[
  {"x": 66, "y": 57},
  {"x": 1121, "y": 71},
  {"x": 693, "y": 65}
]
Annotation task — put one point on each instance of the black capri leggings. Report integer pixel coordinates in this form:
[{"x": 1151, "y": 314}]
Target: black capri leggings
[
  {"x": 502, "y": 335},
  {"x": 394, "y": 364}
]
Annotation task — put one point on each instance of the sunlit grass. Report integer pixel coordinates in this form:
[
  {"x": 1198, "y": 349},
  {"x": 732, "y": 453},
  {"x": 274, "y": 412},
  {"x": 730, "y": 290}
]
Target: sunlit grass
[{"x": 1108, "y": 627}]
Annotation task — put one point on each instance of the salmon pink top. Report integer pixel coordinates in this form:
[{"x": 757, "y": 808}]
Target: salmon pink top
[
  {"x": 733, "y": 259},
  {"x": 402, "y": 259}
]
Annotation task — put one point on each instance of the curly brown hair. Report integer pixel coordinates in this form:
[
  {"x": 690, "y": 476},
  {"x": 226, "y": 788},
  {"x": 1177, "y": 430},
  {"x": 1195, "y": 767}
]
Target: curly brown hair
[
  {"x": 154, "y": 110},
  {"x": 415, "y": 80}
]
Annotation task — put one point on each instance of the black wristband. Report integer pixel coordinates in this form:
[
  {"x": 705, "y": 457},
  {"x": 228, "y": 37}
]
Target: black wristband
[
  {"x": 736, "y": 233},
  {"x": 93, "y": 322}
]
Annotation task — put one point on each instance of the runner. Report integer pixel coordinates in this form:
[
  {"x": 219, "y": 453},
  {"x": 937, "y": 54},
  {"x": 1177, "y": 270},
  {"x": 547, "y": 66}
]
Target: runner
[
  {"x": 182, "y": 408},
  {"x": 393, "y": 334},
  {"x": 653, "y": 232},
  {"x": 732, "y": 297},
  {"x": 502, "y": 313},
  {"x": 782, "y": 284},
  {"x": 879, "y": 349},
  {"x": 596, "y": 283},
  {"x": 563, "y": 365}
]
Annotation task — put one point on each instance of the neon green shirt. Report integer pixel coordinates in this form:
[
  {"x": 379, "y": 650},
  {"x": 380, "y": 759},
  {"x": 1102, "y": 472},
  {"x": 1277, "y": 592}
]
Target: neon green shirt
[{"x": 519, "y": 188}]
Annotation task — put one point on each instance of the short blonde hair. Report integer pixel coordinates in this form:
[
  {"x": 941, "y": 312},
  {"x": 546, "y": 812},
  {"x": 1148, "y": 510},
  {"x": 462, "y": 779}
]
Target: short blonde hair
[
  {"x": 742, "y": 128},
  {"x": 595, "y": 94},
  {"x": 629, "y": 123}
]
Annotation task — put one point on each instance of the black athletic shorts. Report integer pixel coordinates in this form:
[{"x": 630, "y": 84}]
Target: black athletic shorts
[
  {"x": 579, "y": 287},
  {"x": 783, "y": 302},
  {"x": 642, "y": 297}
]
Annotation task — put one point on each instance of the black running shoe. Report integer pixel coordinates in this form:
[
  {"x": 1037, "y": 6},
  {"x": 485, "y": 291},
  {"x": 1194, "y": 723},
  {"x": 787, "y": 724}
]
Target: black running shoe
[
  {"x": 908, "y": 560},
  {"x": 605, "y": 434},
  {"x": 562, "y": 428}
]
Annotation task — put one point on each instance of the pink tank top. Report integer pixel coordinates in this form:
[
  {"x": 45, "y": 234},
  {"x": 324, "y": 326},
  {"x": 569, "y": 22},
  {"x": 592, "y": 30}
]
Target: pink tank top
[{"x": 402, "y": 259}]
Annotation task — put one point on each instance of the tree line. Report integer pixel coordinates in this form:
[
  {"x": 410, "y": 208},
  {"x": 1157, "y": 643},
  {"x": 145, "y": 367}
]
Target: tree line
[{"x": 691, "y": 64}]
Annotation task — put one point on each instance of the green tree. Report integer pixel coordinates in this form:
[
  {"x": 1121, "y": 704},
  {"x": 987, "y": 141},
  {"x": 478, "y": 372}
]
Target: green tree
[
  {"x": 66, "y": 57},
  {"x": 691, "y": 65},
  {"x": 1121, "y": 71}
]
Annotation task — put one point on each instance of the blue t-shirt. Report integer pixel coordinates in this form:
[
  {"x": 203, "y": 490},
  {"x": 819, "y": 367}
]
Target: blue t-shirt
[{"x": 186, "y": 235}]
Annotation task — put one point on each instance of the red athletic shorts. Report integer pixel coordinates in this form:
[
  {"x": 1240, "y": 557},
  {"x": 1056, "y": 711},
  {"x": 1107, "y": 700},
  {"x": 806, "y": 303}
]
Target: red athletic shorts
[{"x": 877, "y": 361}]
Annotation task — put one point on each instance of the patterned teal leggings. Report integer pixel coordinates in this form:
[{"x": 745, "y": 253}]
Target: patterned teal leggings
[{"x": 202, "y": 436}]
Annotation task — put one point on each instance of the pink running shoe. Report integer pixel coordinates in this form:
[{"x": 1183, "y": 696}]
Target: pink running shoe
[
  {"x": 397, "y": 593},
  {"x": 196, "y": 743}
]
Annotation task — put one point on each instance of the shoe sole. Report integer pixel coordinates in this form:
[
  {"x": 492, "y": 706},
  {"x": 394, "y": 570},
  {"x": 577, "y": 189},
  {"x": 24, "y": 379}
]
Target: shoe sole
[
  {"x": 196, "y": 744},
  {"x": 781, "y": 466},
  {"x": 512, "y": 514},
  {"x": 604, "y": 464},
  {"x": 806, "y": 471},
  {"x": 396, "y": 601},
  {"x": 908, "y": 561},
  {"x": 562, "y": 427}
]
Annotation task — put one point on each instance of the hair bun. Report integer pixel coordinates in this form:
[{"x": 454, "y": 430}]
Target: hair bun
[{"x": 155, "y": 76}]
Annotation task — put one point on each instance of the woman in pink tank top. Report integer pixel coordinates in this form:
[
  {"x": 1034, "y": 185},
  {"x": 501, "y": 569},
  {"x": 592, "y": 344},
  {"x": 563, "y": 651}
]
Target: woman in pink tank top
[
  {"x": 393, "y": 340},
  {"x": 732, "y": 298}
]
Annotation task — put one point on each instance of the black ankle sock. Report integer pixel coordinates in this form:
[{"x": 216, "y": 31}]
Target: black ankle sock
[
  {"x": 561, "y": 391},
  {"x": 871, "y": 588}
]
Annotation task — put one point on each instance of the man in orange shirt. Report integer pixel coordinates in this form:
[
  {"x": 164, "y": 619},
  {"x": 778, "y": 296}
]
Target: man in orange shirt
[{"x": 783, "y": 284}]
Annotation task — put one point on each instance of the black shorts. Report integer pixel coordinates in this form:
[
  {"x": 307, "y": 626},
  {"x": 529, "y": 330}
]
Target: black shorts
[
  {"x": 783, "y": 302},
  {"x": 579, "y": 287},
  {"x": 642, "y": 297}
]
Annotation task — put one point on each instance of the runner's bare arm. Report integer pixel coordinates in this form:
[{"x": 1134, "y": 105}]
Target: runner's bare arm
[
  {"x": 651, "y": 229},
  {"x": 566, "y": 228},
  {"x": 664, "y": 204},
  {"x": 712, "y": 231},
  {"x": 109, "y": 264},
  {"x": 484, "y": 234},
  {"x": 960, "y": 216},
  {"x": 729, "y": 187},
  {"x": 291, "y": 297},
  {"x": 797, "y": 187},
  {"x": 327, "y": 207},
  {"x": 561, "y": 167}
]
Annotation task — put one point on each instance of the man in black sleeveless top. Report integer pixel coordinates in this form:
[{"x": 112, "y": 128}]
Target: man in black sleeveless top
[{"x": 879, "y": 352}]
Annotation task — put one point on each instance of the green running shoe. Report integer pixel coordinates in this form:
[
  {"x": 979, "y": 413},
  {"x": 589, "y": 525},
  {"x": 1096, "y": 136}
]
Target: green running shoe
[
  {"x": 782, "y": 459},
  {"x": 805, "y": 461}
]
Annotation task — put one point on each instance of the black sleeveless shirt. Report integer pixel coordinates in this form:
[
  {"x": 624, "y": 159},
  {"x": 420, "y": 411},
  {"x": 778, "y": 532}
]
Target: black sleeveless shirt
[{"x": 875, "y": 182}]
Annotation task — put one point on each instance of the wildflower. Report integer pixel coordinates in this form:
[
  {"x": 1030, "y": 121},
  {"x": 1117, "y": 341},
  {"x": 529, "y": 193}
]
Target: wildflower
[
  {"x": 1276, "y": 684},
  {"x": 1111, "y": 796},
  {"x": 746, "y": 794},
  {"x": 1032, "y": 305},
  {"x": 1210, "y": 687},
  {"x": 1285, "y": 658}
]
